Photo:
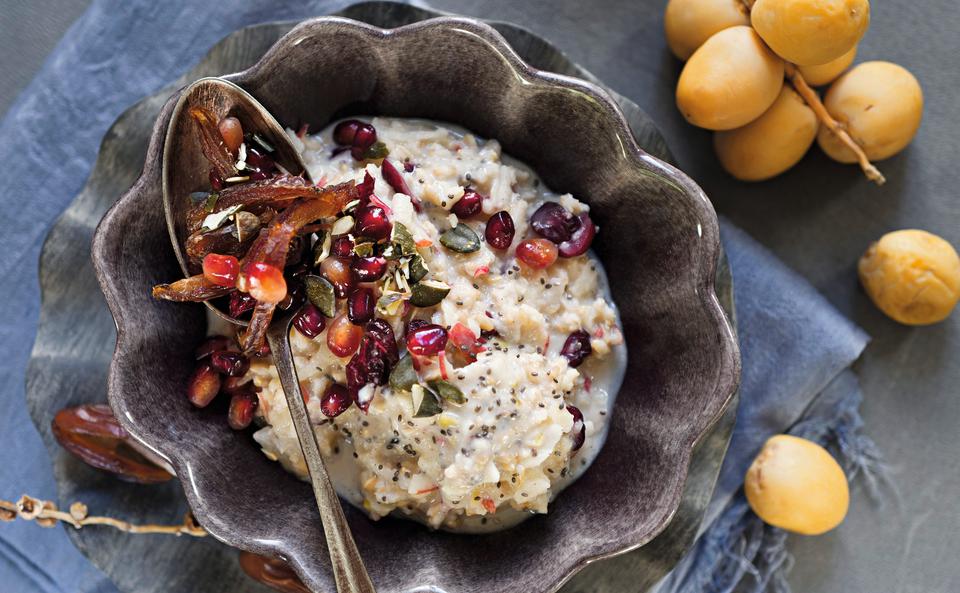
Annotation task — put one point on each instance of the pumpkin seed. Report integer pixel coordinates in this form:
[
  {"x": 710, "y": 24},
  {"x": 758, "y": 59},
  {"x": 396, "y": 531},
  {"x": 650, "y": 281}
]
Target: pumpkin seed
[
  {"x": 448, "y": 391},
  {"x": 403, "y": 376},
  {"x": 342, "y": 226},
  {"x": 377, "y": 150},
  {"x": 417, "y": 269},
  {"x": 321, "y": 295},
  {"x": 389, "y": 303},
  {"x": 403, "y": 239},
  {"x": 363, "y": 249},
  {"x": 425, "y": 402},
  {"x": 461, "y": 239},
  {"x": 321, "y": 249},
  {"x": 428, "y": 293}
]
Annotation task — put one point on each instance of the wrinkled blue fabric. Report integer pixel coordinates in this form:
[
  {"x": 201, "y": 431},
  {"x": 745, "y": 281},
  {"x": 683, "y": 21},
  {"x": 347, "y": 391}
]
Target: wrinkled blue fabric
[{"x": 794, "y": 343}]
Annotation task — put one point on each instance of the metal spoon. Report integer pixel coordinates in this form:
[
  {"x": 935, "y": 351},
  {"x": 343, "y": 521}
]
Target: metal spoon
[{"x": 184, "y": 171}]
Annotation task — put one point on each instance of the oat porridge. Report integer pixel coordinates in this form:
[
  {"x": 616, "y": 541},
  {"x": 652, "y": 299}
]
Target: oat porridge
[{"x": 458, "y": 348}]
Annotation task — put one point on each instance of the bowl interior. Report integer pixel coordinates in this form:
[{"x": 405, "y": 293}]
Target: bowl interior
[{"x": 658, "y": 241}]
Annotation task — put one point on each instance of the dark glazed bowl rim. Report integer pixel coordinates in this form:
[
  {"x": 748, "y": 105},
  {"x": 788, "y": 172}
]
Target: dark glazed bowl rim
[{"x": 709, "y": 252}]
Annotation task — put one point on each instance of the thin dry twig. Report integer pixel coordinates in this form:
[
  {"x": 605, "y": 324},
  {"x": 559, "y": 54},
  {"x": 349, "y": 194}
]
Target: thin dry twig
[
  {"x": 811, "y": 98},
  {"x": 46, "y": 514}
]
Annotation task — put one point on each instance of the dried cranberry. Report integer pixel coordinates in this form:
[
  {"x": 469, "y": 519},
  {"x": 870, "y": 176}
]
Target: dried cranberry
[
  {"x": 554, "y": 222},
  {"x": 394, "y": 179},
  {"x": 211, "y": 345},
  {"x": 335, "y": 401},
  {"x": 240, "y": 303},
  {"x": 428, "y": 340},
  {"x": 203, "y": 385},
  {"x": 310, "y": 321},
  {"x": 576, "y": 348},
  {"x": 368, "y": 269},
  {"x": 372, "y": 223},
  {"x": 469, "y": 205},
  {"x": 232, "y": 364},
  {"x": 243, "y": 406},
  {"x": 580, "y": 240},
  {"x": 500, "y": 230},
  {"x": 579, "y": 430},
  {"x": 365, "y": 189},
  {"x": 342, "y": 246},
  {"x": 385, "y": 339},
  {"x": 360, "y": 305}
]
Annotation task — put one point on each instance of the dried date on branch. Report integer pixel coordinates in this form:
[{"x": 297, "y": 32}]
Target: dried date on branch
[
  {"x": 92, "y": 433},
  {"x": 272, "y": 572}
]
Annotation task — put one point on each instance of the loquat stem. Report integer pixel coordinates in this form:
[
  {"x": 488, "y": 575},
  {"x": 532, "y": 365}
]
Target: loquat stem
[
  {"x": 46, "y": 514},
  {"x": 811, "y": 98}
]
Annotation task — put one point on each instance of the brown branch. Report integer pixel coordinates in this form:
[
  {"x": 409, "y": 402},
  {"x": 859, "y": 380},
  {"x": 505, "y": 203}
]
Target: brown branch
[
  {"x": 46, "y": 514},
  {"x": 811, "y": 98}
]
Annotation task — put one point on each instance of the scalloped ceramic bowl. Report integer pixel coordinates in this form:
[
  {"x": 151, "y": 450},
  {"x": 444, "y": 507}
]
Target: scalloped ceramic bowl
[{"x": 659, "y": 241}]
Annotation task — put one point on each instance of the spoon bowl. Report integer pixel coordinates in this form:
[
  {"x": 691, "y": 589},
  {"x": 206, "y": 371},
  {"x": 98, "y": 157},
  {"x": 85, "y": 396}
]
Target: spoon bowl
[{"x": 186, "y": 171}]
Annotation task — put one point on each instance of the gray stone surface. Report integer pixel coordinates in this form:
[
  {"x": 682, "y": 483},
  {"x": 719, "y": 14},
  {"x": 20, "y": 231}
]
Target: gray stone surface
[{"x": 818, "y": 218}]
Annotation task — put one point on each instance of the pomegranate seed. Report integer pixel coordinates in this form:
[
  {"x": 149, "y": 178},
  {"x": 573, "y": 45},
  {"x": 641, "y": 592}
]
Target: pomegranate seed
[
  {"x": 310, "y": 321},
  {"x": 260, "y": 162},
  {"x": 267, "y": 283},
  {"x": 337, "y": 271},
  {"x": 576, "y": 348},
  {"x": 232, "y": 364},
  {"x": 203, "y": 385},
  {"x": 360, "y": 305},
  {"x": 394, "y": 179},
  {"x": 537, "y": 253},
  {"x": 554, "y": 222},
  {"x": 372, "y": 222},
  {"x": 232, "y": 133},
  {"x": 364, "y": 137},
  {"x": 368, "y": 269},
  {"x": 345, "y": 131},
  {"x": 579, "y": 430},
  {"x": 335, "y": 401},
  {"x": 343, "y": 337},
  {"x": 500, "y": 230},
  {"x": 233, "y": 385},
  {"x": 240, "y": 303},
  {"x": 408, "y": 167},
  {"x": 216, "y": 182},
  {"x": 342, "y": 246},
  {"x": 415, "y": 324},
  {"x": 243, "y": 405},
  {"x": 580, "y": 240},
  {"x": 221, "y": 270},
  {"x": 427, "y": 340},
  {"x": 469, "y": 205},
  {"x": 211, "y": 345}
]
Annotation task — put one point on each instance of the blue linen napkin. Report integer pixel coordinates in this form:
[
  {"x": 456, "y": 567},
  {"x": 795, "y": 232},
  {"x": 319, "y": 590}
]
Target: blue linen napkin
[{"x": 795, "y": 344}]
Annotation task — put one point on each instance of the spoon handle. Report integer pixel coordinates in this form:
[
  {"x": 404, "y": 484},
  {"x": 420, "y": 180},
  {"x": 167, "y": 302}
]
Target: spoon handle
[{"x": 349, "y": 571}]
